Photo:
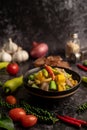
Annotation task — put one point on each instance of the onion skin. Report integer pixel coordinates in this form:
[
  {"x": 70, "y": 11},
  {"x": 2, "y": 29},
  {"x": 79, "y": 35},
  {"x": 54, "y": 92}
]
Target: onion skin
[{"x": 39, "y": 50}]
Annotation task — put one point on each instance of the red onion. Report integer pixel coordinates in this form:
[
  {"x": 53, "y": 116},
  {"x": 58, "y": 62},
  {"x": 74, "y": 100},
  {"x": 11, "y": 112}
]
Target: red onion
[{"x": 39, "y": 50}]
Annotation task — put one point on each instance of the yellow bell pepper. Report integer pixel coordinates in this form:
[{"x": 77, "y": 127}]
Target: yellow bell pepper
[
  {"x": 61, "y": 87},
  {"x": 61, "y": 78},
  {"x": 39, "y": 76}
]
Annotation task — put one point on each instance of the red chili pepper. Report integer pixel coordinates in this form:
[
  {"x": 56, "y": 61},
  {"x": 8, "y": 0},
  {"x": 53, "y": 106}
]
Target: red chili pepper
[
  {"x": 50, "y": 71},
  {"x": 72, "y": 122},
  {"x": 82, "y": 67},
  {"x": 82, "y": 122}
]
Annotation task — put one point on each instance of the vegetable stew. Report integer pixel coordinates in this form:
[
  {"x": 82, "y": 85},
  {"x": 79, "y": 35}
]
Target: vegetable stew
[{"x": 51, "y": 79}]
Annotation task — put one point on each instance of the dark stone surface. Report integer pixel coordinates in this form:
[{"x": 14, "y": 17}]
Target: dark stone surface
[
  {"x": 50, "y": 21},
  {"x": 66, "y": 106}
]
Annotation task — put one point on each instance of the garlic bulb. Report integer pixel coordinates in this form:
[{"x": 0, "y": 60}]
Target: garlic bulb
[
  {"x": 20, "y": 55},
  {"x": 10, "y": 47},
  {"x": 4, "y": 56}
]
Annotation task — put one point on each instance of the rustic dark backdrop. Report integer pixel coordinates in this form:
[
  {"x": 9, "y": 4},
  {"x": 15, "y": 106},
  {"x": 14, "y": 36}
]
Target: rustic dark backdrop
[{"x": 50, "y": 21}]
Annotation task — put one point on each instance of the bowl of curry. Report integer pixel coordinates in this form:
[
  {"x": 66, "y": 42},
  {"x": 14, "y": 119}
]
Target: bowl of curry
[{"x": 51, "y": 82}]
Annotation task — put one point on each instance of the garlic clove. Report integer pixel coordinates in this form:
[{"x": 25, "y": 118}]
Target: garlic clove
[{"x": 10, "y": 46}]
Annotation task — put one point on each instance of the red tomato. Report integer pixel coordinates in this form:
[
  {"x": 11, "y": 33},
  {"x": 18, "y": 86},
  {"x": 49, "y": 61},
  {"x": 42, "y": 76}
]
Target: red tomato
[
  {"x": 29, "y": 120},
  {"x": 11, "y": 99},
  {"x": 12, "y": 68},
  {"x": 17, "y": 114}
]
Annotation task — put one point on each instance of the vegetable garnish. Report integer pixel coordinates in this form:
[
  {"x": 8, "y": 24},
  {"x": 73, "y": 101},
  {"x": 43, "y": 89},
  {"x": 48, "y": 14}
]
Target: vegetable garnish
[
  {"x": 72, "y": 121},
  {"x": 50, "y": 71}
]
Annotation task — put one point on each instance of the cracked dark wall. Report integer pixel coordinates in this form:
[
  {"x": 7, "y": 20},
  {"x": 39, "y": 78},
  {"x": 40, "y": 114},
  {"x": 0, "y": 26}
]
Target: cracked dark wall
[{"x": 50, "y": 21}]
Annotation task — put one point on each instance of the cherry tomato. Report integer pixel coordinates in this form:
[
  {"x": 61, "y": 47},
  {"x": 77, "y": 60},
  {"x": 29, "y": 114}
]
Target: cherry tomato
[
  {"x": 11, "y": 99},
  {"x": 28, "y": 120},
  {"x": 17, "y": 114},
  {"x": 12, "y": 68}
]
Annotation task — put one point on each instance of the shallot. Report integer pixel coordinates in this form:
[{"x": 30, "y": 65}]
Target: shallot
[{"x": 39, "y": 50}]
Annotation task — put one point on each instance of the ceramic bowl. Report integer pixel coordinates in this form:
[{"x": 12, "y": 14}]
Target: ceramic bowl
[{"x": 51, "y": 94}]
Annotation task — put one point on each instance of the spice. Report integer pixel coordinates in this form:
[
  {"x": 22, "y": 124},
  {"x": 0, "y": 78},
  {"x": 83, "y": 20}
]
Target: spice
[
  {"x": 72, "y": 122},
  {"x": 84, "y": 53},
  {"x": 82, "y": 122},
  {"x": 73, "y": 48},
  {"x": 44, "y": 116}
]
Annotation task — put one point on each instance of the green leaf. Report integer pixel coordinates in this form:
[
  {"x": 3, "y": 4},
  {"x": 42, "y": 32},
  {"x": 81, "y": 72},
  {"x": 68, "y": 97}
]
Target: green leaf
[{"x": 6, "y": 122}]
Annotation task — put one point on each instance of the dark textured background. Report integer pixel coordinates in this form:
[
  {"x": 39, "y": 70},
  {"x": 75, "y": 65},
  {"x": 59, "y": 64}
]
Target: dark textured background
[{"x": 50, "y": 21}]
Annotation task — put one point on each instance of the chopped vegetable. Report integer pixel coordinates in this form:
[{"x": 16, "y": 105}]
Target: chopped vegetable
[
  {"x": 50, "y": 71},
  {"x": 31, "y": 77},
  {"x": 61, "y": 87},
  {"x": 56, "y": 79},
  {"x": 34, "y": 86},
  {"x": 61, "y": 78},
  {"x": 52, "y": 85},
  {"x": 45, "y": 72}
]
